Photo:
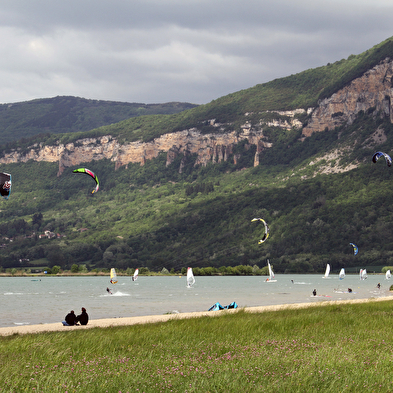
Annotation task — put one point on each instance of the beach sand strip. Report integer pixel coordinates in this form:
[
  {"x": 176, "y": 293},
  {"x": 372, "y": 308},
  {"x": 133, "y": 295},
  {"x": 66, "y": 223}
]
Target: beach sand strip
[{"x": 111, "y": 322}]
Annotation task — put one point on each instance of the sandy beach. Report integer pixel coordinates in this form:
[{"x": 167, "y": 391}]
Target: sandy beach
[{"x": 109, "y": 322}]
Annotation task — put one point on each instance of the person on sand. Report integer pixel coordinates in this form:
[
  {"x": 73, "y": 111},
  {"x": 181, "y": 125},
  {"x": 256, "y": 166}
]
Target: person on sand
[
  {"x": 314, "y": 292},
  {"x": 70, "y": 319},
  {"x": 83, "y": 318}
]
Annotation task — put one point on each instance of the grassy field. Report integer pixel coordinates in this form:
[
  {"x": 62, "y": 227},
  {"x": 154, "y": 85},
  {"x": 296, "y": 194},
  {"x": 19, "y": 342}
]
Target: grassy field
[{"x": 337, "y": 348}]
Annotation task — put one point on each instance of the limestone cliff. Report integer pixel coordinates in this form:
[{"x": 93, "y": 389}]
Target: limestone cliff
[
  {"x": 208, "y": 147},
  {"x": 373, "y": 90}
]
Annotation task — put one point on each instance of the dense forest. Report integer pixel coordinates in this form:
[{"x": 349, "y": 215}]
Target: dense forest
[{"x": 153, "y": 216}]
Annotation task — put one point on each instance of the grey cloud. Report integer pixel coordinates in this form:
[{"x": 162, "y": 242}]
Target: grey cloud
[{"x": 174, "y": 50}]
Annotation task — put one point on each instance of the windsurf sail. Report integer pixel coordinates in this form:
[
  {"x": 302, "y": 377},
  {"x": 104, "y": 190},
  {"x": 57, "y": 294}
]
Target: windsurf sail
[
  {"x": 190, "y": 277},
  {"x": 113, "y": 279},
  {"x": 327, "y": 271},
  {"x": 388, "y": 275},
  {"x": 135, "y": 276},
  {"x": 5, "y": 185},
  {"x": 363, "y": 274},
  {"x": 271, "y": 274},
  {"x": 341, "y": 275},
  {"x": 91, "y": 174}
]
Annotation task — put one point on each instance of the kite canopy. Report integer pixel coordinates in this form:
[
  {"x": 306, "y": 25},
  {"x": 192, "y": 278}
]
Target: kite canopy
[
  {"x": 355, "y": 248},
  {"x": 91, "y": 174},
  {"x": 217, "y": 306},
  {"x": 266, "y": 234},
  {"x": 5, "y": 185},
  {"x": 380, "y": 154}
]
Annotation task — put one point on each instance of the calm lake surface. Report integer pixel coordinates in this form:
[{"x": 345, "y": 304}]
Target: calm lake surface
[{"x": 27, "y": 300}]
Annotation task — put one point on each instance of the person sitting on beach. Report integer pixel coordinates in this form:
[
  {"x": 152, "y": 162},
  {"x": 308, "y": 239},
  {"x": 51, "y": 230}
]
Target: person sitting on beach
[
  {"x": 83, "y": 318},
  {"x": 70, "y": 319}
]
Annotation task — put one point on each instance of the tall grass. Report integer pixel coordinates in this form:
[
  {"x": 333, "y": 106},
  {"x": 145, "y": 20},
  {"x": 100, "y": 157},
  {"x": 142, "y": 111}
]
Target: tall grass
[{"x": 337, "y": 348}]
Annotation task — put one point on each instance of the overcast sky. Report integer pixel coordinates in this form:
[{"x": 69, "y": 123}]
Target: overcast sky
[{"x": 155, "y": 51}]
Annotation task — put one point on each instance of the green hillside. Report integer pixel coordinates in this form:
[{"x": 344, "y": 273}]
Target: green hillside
[
  {"x": 155, "y": 217},
  {"x": 71, "y": 114}
]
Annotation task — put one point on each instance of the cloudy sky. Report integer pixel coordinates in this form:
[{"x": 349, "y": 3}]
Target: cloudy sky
[{"x": 155, "y": 51}]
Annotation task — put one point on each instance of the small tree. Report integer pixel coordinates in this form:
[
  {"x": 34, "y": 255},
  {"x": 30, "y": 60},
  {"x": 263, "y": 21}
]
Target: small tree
[
  {"x": 56, "y": 269},
  {"x": 74, "y": 268}
]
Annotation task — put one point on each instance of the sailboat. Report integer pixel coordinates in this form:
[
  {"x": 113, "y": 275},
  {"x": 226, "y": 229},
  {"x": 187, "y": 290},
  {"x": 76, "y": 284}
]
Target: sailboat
[
  {"x": 363, "y": 274},
  {"x": 341, "y": 274},
  {"x": 327, "y": 271},
  {"x": 388, "y": 275},
  {"x": 135, "y": 276},
  {"x": 113, "y": 279},
  {"x": 271, "y": 274},
  {"x": 190, "y": 278}
]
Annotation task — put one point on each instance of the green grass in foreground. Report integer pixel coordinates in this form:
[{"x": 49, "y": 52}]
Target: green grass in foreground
[{"x": 337, "y": 348}]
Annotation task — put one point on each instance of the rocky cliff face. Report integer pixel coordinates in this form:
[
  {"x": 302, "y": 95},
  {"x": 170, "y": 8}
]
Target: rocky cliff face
[
  {"x": 208, "y": 147},
  {"x": 372, "y": 90}
]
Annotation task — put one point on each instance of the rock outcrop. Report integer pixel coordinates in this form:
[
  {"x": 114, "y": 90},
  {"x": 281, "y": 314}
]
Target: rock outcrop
[
  {"x": 208, "y": 147},
  {"x": 373, "y": 90}
]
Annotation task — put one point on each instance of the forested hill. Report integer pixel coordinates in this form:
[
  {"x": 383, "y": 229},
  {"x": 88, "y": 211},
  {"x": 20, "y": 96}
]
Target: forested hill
[
  {"x": 64, "y": 114},
  {"x": 181, "y": 190}
]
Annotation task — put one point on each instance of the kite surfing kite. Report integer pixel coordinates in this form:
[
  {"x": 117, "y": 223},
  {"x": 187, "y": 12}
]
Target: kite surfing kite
[
  {"x": 89, "y": 173},
  {"x": 266, "y": 234},
  {"x": 5, "y": 185},
  {"x": 380, "y": 154},
  {"x": 355, "y": 248}
]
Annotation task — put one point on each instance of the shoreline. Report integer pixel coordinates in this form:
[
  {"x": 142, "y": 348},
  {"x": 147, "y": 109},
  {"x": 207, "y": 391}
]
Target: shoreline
[{"x": 128, "y": 321}]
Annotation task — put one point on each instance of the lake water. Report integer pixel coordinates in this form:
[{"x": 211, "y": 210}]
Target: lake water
[{"x": 31, "y": 300}]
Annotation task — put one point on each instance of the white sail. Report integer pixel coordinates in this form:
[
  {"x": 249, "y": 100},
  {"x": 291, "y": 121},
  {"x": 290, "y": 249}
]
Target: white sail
[
  {"x": 113, "y": 276},
  {"x": 388, "y": 275},
  {"x": 135, "y": 276},
  {"x": 341, "y": 274},
  {"x": 327, "y": 271},
  {"x": 363, "y": 274},
  {"x": 271, "y": 274},
  {"x": 190, "y": 277}
]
